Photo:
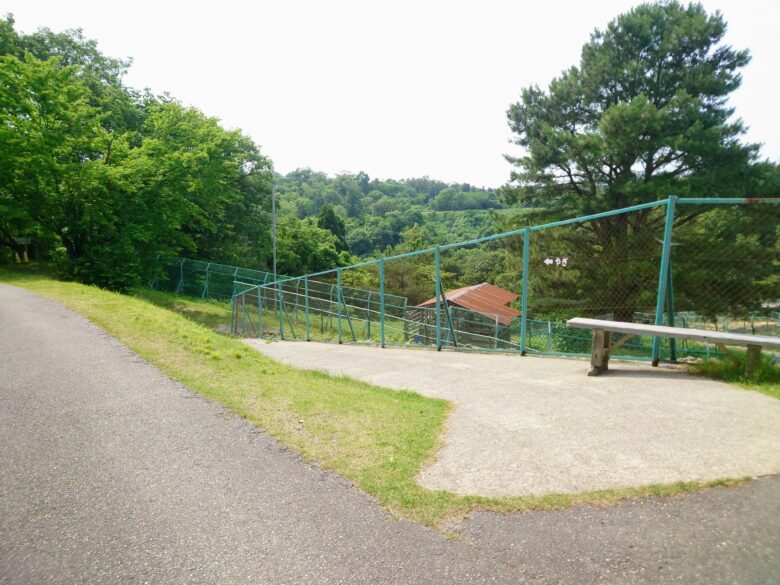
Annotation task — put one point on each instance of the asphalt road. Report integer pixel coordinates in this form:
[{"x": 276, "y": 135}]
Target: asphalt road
[{"x": 112, "y": 473}]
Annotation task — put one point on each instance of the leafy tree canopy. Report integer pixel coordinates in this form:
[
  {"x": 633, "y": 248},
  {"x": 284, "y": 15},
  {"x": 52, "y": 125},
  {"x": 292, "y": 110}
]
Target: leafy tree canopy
[
  {"x": 112, "y": 182},
  {"x": 375, "y": 212},
  {"x": 328, "y": 220},
  {"x": 645, "y": 114}
]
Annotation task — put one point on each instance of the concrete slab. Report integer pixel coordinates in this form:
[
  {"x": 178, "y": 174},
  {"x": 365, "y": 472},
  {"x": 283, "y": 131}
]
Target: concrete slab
[{"x": 537, "y": 425}]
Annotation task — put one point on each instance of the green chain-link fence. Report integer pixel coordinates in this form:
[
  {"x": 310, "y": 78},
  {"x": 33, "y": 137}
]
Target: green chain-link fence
[
  {"x": 207, "y": 280},
  {"x": 702, "y": 263}
]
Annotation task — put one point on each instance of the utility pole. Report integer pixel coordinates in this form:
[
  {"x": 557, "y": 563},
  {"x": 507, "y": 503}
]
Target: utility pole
[{"x": 273, "y": 223}]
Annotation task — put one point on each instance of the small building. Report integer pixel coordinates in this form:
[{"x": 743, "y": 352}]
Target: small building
[{"x": 480, "y": 314}]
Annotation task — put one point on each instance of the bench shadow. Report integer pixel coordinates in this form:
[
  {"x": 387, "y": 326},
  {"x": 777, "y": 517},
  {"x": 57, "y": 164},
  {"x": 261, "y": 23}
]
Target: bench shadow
[{"x": 648, "y": 373}]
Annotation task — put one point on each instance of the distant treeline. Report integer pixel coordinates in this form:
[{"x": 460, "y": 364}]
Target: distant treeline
[{"x": 376, "y": 212}]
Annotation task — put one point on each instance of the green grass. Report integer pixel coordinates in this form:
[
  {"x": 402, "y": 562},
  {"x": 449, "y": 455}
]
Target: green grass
[
  {"x": 213, "y": 314},
  {"x": 766, "y": 381},
  {"x": 378, "y": 438}
]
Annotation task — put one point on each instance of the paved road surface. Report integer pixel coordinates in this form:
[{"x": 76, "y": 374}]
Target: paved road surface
[
  {"x": 539, "y": 425},
  {"x": 111, "y": 473}
]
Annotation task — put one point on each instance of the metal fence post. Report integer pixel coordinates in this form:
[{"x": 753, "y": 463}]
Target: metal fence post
[
  {"x": 405, "y": 322},
  {"x": 524, "y": 296},
  {"x": 549, "y": 336},
  {"x": 260, "y": 329},
  {"x": 306, "y": 306},
  {"x": 663, "y": 275},
  {"x": 233, "y": 320},
  {"x": 205, "y": 294},
  {"x": 338, "y": 301},
  {"x": 382, "y": 302},
  {"x": 670, "y": 305},
  {"x": 180, "y": 286},
  {"x": 243, "y": 313},
  {"x": 281, "y": 308},
  {"x": 437, "y": 270},
  {"x": 368, "y": 316}
]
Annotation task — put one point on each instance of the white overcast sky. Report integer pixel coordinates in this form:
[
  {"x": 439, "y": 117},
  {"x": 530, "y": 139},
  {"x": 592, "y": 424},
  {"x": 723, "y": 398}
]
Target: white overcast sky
[{"x": 394, "y": 88}]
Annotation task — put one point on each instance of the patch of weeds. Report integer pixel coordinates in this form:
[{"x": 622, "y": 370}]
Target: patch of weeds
[{"x": 766, "y": 379}]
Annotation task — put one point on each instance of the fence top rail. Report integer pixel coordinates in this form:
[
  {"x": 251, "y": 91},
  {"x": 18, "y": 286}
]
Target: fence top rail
[
  {"x": 389, "y": 298},
  {"x": 214, "y": 265},
  {"x": 727, "y": 200}
]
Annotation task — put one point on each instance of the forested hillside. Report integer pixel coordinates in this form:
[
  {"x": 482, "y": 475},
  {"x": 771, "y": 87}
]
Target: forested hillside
[
  {"x": 376, "y": 212},
  {"x": 109, "y": 182}
]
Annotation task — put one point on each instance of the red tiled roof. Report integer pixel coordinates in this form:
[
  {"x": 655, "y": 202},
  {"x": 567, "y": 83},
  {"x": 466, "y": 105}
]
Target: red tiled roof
[{"x": 486, "y": 299}]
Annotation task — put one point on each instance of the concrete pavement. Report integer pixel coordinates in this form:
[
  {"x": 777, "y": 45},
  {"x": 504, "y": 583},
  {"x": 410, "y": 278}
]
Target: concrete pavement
[{"x": 538, "y": 425}]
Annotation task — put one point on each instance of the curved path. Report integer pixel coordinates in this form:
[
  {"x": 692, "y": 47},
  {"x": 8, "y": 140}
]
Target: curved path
[
  {"x": 112, "y": 473},
  {"x": 538, "y": 425}
]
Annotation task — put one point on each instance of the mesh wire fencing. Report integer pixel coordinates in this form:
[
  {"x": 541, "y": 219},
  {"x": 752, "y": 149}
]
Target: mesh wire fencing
[
  {"x": 207, "y": 280},
  {"x": 324, "y": 309},
  {"x": 712, "y": 264}
]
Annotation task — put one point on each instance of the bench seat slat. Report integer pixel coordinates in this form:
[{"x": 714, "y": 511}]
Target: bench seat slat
[{"x": 675, "y": 332}]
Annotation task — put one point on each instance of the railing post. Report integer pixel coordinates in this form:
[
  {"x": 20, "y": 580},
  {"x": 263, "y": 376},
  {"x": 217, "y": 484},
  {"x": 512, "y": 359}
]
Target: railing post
[
  {"x": 306, "y": 306},
  {"x": 663, "y": 275},
  {"x": 243, "y": 313},
  {"x": 338, "y": 301},
  {"x": 437, "y": 270},
  {"x": 260, "y": 329},
  {"x": 405, "y": 321},
  {"x": 180, "y": 286},
  {"x": 549, "y": 336},
  {"x": 368, "y": 316},
  {"x": 233, "y": 321},
  {"x": 382, "y": 302},
  {"x": 670, "y": 304},
  {"x": 235, "y": 276},
  {"x": 279, "y": 301},
  {"x": 205, "y": 294},
  {"x": 524, "y": 295}
]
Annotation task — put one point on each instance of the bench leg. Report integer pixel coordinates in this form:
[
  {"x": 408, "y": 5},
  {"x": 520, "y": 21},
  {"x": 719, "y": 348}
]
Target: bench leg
[
  {"x": 599, "y": 356},
  {"x": 753, "y": 360}
]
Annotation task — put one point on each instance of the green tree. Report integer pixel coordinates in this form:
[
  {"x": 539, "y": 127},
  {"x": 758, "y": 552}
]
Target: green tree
[
  {"x": 644, "y": 115},
  {"x": 303, "y": 247},
  {"x": 217, "y": 176},
  {"x": 328, "y": 220},
  {"x": 115, "y": 180},
  {"x": 51, "y": 145},
  {"x": 411, "y": 277}
]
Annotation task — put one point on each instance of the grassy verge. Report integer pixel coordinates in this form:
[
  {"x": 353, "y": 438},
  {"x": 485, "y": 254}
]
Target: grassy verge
[
  {"x": 213, "y": 314},
  {"x": 377, "y": 438}
]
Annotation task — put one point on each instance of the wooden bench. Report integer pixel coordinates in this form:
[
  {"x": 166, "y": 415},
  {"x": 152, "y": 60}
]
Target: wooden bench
[{"x": 602, "y": 345}]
